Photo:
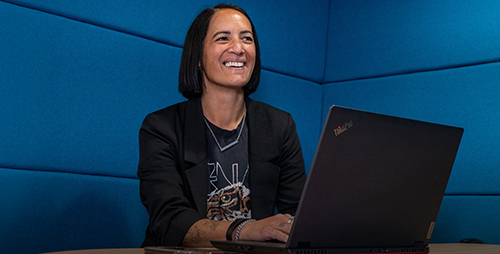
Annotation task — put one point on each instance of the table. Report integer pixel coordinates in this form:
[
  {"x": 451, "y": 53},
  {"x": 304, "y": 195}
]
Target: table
[
  {"x": 442, "y": 248},
  {"x": 464, "y": 248}
]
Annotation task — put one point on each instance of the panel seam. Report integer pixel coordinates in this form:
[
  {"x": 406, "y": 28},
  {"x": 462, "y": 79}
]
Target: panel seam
[{"x": 69, "y": 172}]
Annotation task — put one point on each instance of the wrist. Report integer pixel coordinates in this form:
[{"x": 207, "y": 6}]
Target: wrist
[
  {"x": 240, "y": 227},
  {"x": 231, "y": 229}
]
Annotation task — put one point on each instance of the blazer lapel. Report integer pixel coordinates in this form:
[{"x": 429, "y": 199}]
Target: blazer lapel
[
  {"x": 195, "y": 154},
  {"x": 261, "y": 135},
  {"x": 264, "y": 176}
]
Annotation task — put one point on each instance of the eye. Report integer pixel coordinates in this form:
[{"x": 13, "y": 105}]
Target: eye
[
  {"x": 222, "y": 39},
  {"x": 247, "y": 39},
  {"x": 226, "y": 198}
]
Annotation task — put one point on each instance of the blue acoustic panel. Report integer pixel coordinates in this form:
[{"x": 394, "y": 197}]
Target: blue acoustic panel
[
  {"x": 47, "y": 211},
  {"x": 378, "y": 38},
  {"x": 74, "y": 95},
  {"x": 463, "y": 97},
  {"x": 163, "y": 21},
  {"x": 292, "y": 36},
  {"x": 302, "y": 100},
  {"x": 462, "y": 217}
]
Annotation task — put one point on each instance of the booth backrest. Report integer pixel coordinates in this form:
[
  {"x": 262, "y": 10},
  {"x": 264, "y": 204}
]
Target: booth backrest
[{"x": 77, "y": 79}]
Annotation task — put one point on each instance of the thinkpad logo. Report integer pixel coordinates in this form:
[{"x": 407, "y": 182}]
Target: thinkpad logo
[{"x": 339, "y": 130}]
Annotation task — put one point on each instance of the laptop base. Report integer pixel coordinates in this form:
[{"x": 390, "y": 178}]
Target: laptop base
[{"x": 280, "y": 248}]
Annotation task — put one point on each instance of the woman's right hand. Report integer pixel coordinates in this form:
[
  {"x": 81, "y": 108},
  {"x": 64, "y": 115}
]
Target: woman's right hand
[{"x": 276, "y": 227}]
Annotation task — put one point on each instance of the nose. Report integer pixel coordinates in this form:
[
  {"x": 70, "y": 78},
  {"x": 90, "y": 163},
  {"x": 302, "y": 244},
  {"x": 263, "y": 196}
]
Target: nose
[{"x": 236, "y": 47}]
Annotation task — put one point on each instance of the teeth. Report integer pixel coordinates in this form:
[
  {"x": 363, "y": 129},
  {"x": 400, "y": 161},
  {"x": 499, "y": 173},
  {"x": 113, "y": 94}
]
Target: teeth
[{"x": 234, "y": 64}]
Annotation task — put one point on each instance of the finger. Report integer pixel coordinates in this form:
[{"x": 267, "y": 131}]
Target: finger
[
  {"x": 289, "y": 218},
  {"x": 284, "y": 227},
  {"x": 280, "y": 236}
]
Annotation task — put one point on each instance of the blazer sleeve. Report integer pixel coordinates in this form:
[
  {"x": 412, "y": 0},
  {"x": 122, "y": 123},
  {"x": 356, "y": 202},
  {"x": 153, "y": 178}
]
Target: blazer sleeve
[{"x": 163, "y": 187}]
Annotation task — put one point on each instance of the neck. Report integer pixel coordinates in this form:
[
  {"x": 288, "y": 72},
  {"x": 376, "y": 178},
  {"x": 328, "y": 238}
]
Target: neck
[{"x": 224, "y": 110}]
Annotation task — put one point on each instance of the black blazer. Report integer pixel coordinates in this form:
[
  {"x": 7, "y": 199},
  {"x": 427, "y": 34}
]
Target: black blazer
[{"x": 174, "y": 175}]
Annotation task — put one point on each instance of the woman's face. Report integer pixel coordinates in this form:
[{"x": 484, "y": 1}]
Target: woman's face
[{"x": 229, "y": 50}]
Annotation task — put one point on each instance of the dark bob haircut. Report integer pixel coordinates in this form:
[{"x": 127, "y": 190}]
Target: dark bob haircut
[{"x": 190, "y": 75}]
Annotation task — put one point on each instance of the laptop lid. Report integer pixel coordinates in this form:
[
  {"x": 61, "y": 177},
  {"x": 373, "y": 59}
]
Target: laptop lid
[{"x": 375, "y": 181}]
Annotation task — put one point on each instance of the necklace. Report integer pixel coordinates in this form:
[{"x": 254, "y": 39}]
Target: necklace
[{"x": 222, "y": 149}]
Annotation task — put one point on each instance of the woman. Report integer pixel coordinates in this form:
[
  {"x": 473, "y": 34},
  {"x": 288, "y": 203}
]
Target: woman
[{"x": 218, "y": 165}]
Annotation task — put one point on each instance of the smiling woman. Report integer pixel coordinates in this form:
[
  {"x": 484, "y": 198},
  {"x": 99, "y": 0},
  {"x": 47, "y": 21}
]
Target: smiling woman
[{"x": 218, "y": 165}]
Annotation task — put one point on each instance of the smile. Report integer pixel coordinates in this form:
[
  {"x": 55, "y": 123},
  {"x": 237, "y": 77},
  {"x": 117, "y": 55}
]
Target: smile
[{"x": 234, "y": 64}]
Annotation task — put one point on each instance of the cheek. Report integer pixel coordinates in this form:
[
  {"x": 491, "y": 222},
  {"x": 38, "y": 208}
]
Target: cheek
[{"x": 210, "y": 63}]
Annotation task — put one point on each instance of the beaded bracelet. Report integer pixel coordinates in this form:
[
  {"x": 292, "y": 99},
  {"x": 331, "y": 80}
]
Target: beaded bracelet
[
  {"x": 237, "y": 236},
  {"x": 230, "y": 229}
]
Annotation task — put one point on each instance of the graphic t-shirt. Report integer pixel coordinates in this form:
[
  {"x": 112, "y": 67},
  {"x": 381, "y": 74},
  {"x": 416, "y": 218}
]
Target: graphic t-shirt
[{"x": 228, "y": 194}]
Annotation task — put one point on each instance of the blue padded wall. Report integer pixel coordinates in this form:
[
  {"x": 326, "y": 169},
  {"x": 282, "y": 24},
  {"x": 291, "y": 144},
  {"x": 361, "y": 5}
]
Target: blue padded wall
[
  {"x": 378, "y": 38},
  {"x": 76, "y": 94},
  {"x": 49, "y": 211},
  {"x": 292, "y": 35}
]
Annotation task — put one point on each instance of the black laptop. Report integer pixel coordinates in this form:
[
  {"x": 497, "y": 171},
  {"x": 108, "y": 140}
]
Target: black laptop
[{"x": 375, "y": 186}]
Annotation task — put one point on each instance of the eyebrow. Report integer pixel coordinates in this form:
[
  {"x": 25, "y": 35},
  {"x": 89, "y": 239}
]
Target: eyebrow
[{"x": 227, "y": 32}]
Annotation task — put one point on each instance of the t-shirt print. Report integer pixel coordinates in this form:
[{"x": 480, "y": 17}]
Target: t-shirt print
[{"x": 231, "y": 202}]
